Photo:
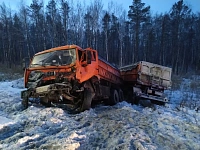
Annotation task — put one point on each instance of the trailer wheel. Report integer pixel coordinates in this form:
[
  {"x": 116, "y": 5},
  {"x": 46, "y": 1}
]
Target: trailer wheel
[
  {"x": 114, "y": 99},
  {"x": 87, "y": 100},
  {"x": 121, "y": 95}
]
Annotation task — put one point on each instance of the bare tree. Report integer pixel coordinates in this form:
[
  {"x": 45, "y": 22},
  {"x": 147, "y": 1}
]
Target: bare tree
[
  {"x": 178, "y": 12},
  {"x": 138, "y": 14},
  {"x": 76, "y": 23},
  {"x": 36, "y": 17},
  {"x": 65, "y": 18},
  {"x": 96, "y": 9},
  {"x": 106, "y": 26},
  {"x": 6, "y": 19},
  {"x": 51, "y": 20},
  {"x": 24, "y": 16}
]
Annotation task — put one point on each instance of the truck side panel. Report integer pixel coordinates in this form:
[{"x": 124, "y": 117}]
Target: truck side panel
[
  {"x": 130, "y": 73},
  {"x": 156, "y": 74},
  {"x": 108, "y": 72}
]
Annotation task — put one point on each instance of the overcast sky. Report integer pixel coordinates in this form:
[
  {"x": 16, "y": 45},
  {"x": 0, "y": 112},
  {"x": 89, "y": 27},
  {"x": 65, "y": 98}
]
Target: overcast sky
[{"x": 159, "y": 6}]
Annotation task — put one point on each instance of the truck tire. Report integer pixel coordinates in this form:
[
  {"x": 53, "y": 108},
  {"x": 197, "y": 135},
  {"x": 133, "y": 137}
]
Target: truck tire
[
  {"x": 121, "y": 95},
  {"x": 44, "y": 101},
  {"x": 87, "y": 100},
  {"x": 114, "y": 98},
  {"x": 135, "y": 99}
]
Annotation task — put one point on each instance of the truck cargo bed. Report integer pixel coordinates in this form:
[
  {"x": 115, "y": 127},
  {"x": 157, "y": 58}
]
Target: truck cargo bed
[
  {"x": 108, "y": 71},
  {"x": 148, "y": 74}
]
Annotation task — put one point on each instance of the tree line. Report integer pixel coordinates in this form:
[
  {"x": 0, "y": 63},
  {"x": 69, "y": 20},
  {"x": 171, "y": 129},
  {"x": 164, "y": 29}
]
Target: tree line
[{"x": 121, "y": 37}]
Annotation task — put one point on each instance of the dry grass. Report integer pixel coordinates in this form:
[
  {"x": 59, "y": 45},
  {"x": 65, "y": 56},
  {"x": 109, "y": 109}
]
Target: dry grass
[
  {"x": 176, "y": 82},
  {"x": 189, "y": 86},
  {"x": 195, "y": 85}
]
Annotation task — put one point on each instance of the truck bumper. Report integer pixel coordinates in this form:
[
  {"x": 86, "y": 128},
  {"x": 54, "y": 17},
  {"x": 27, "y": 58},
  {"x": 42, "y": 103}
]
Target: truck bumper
[
  {"x": 153, "y": 97},
  {"x": 24, "y": 94}
]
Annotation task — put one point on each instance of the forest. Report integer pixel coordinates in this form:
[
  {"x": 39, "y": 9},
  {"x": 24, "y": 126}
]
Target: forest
[{"x": 121, "y": 37}]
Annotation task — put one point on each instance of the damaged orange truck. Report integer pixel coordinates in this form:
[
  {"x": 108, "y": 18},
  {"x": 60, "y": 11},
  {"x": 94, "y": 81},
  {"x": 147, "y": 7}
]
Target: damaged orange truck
[
  {"x": 78, "y": 77},
  {"x": 73, "y": 76}
]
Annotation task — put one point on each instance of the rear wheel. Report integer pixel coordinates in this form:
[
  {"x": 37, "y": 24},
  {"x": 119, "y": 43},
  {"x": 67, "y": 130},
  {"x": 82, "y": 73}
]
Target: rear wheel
[
  {"x": 114, "y": 98},
  {"x": 121, "y": 95},
  {"x": 87, "y": 100}
]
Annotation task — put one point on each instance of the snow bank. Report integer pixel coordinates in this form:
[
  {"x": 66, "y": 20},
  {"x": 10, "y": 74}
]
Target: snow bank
[
  {"x": 123, "y": 126},
  {"x": 5, "y": 122}
]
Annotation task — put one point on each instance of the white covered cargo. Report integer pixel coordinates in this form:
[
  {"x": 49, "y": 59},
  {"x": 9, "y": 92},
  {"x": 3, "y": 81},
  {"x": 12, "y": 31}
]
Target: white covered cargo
[{"x": 147, "y": 80}]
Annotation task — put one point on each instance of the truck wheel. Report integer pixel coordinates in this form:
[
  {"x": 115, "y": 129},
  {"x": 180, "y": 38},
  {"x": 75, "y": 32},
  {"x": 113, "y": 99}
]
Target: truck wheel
[
  {"x": 87, "y": 100},
  {"x": 136, "y": 99},
  {"x": 44, "y": 101},
  {"x": 114, "y": 99},
  {"x": 121, "y": 95}
]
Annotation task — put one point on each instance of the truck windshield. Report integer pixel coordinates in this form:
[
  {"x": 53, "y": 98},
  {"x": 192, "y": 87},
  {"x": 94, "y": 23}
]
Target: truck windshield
[{"x": 55, "y": 58}]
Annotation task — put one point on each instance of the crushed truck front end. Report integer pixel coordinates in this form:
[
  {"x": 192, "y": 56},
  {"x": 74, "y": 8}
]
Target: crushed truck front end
[
  {"x": 55, "y": 76},
  {"x": 72, "y": 76}
]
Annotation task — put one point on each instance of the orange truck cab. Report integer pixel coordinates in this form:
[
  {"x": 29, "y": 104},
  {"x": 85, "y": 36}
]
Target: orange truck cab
[{"x": 73, "y": 76}]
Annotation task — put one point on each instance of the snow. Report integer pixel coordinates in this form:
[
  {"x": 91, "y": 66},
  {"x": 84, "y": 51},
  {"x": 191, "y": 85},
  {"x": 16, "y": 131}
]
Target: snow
[
  {"x": 5, "y": 122},
  {"x": 123, "y": 126}
]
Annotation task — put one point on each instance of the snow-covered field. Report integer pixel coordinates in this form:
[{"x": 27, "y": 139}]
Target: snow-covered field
[{"x": 120, "y": 127}]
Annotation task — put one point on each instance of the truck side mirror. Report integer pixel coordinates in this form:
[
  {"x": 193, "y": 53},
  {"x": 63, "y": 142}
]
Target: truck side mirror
[{"x": 89, "y": 57}]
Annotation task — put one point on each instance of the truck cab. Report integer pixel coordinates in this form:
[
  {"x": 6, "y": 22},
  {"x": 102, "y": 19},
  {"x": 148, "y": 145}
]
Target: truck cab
[
  {"x": 58, "y": 74},
  {"x": 73, "y": 76}
]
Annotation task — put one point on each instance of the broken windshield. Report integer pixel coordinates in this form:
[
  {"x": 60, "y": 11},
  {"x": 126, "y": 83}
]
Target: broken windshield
[{"x": 55, "y": 58}]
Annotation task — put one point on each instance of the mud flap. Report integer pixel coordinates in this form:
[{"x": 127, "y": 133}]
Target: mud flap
[{"x": 87, "y": 100}]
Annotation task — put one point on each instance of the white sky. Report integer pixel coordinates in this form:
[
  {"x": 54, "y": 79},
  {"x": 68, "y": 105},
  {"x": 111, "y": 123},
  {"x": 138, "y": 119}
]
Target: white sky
[{"x": 159, "y": 6}]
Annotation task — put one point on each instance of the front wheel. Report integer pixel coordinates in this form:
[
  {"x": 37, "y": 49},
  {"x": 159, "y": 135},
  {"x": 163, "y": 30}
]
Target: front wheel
[
  {"x": 25, "y": 102},
  {"x": 87, "y": 100},
  {"x": 45, "y": 101}
]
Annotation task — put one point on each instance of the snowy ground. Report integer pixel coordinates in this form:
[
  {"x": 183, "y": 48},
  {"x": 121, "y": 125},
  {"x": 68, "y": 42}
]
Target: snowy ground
[{"x": 123, "y": 126}]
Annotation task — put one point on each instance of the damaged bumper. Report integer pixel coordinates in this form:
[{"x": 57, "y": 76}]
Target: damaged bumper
[{"x": 51, "y": 91}]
